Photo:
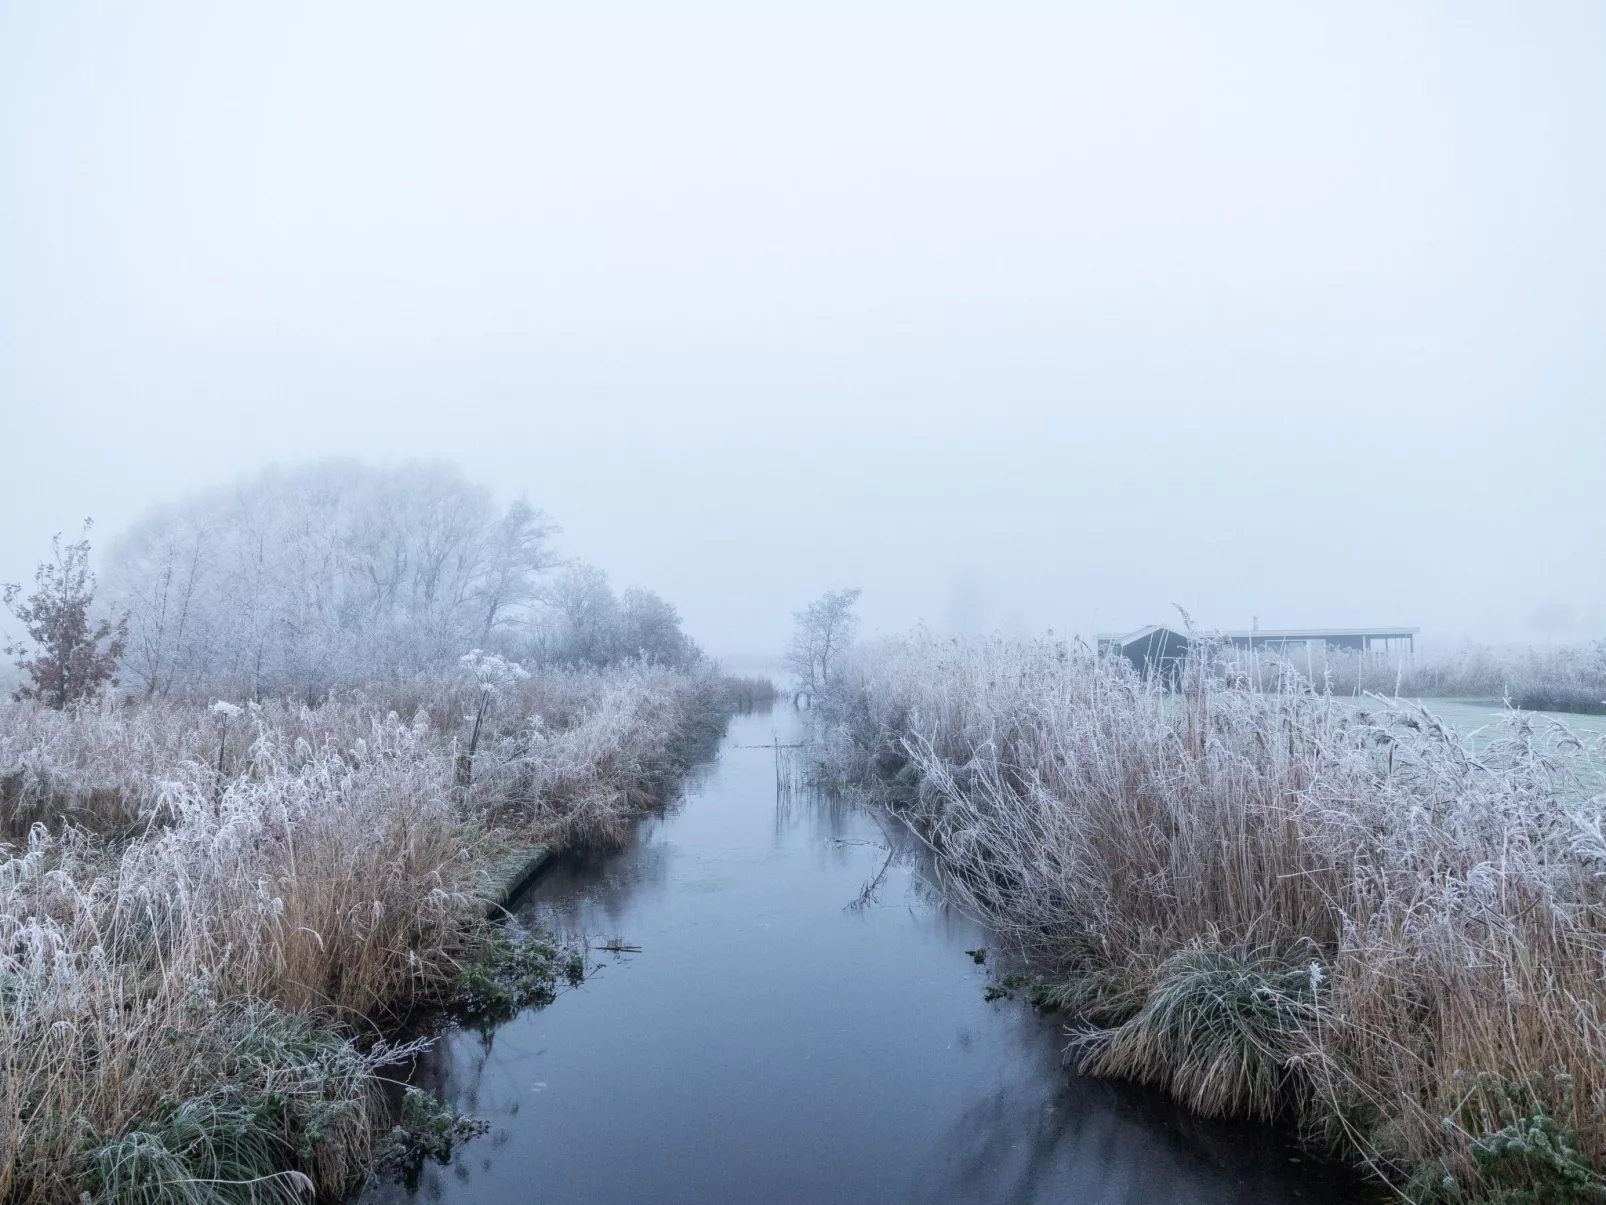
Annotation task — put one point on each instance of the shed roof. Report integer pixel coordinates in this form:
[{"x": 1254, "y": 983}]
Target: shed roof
[{"x": 1122, "y": 639}]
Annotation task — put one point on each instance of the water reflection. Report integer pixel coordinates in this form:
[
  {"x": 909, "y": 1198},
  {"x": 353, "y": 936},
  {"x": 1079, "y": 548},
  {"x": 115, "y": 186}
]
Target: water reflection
[
  {"x": 1056, "y": 1137},
  {"x": 771, "y": 1042}
]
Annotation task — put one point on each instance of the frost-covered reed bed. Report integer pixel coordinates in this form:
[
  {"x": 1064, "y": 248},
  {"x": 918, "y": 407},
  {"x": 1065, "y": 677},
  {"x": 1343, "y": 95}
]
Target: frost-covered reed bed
[
  {"x": 206, "y": 918},
  {"x": 1274, "y": 903}
]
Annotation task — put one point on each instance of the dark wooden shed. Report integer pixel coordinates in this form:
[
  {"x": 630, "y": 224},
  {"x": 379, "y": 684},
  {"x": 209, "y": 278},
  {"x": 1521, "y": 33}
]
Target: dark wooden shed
[{"x": 1151, "y": 650}]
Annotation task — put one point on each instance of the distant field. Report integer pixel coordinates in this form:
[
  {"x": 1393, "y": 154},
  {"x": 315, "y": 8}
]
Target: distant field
[{"x": 1469, "y": 715}]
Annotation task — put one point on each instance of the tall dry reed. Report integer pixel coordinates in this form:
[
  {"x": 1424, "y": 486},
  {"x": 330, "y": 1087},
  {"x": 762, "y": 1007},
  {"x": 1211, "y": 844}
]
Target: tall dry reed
[
  {"x": 212, "y": 913},
  {"x": 1275, "y": 902}
]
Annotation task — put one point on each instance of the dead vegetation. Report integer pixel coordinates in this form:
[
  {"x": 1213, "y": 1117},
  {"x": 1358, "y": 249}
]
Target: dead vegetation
[
  {"x": 208, "y": 915},
  {"x": 1275, "y": 903}
]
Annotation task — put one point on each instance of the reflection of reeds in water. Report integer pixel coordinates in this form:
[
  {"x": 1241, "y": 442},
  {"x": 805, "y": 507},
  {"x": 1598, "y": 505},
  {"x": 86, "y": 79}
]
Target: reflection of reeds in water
[
  {"x": 798, "y": 790},
  {"x": 801, "y": 796},
  {"x": 789, "y": 775}
]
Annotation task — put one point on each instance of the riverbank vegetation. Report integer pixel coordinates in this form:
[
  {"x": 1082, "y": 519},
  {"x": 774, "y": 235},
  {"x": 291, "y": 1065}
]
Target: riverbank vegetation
[
  {"x": 209, "y": 915},
  {"x": 255, "y": 816},
  {"x": 1272, "y": 902}
]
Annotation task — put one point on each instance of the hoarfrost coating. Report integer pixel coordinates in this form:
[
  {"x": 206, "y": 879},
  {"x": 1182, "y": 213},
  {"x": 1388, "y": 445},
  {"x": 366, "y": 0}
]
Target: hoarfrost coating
[{"x": 294, "y": 580}]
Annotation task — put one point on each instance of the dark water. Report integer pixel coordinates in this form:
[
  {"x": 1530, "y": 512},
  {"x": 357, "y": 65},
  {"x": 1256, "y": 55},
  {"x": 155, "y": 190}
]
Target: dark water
[{"x": 772, "y": 1042}]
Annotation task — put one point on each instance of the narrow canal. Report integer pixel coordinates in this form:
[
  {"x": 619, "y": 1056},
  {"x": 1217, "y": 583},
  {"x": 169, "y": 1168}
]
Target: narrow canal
[{"x": 784, "y": 1035}]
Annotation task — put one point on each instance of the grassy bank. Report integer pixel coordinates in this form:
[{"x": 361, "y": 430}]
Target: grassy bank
[
  {"x": 1271, "y": 903},
  {"x": 209, "y": 918}
]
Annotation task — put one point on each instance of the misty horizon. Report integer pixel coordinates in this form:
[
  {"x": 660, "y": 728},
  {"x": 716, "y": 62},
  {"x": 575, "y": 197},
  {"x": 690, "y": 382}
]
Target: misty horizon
[
  {"x": 741, "y": 603},
  {"x": 1052, "y": 321}
]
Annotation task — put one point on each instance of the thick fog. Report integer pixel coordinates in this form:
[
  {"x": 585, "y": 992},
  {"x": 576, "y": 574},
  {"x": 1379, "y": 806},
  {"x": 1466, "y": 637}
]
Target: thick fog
[{"x": 1014, "y": 316}]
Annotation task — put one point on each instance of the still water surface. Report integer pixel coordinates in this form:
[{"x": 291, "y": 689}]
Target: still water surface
[{"x": 774, "y": 1042}]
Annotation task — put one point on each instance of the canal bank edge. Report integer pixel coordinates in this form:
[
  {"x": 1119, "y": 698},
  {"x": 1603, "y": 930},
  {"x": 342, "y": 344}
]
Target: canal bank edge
[{"x": 512, "y": 874}]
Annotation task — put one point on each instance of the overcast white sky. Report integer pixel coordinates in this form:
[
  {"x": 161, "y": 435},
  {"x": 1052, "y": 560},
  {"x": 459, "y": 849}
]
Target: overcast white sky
[{"x": 1015, "y": 316}]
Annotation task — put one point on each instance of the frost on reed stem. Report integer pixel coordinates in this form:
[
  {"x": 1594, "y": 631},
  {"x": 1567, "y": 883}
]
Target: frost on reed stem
[
  {"x": 198, "y": 935},
  {"x": 1270, "y": 902}
]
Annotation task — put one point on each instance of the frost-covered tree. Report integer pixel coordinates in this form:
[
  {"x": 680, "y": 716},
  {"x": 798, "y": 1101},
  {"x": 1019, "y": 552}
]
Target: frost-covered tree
[
  {"x": 516, "y": 553},
  {"x": 582, "y": 620},
  {"x": 296, "y": 579},
  {"x": 585, "y": 623},
  {"x": 163, "y": 575},
  {"x": 823, "y": 633},
  {"x": 649, "y": 627},
  {"x": 73, "y": 658}
]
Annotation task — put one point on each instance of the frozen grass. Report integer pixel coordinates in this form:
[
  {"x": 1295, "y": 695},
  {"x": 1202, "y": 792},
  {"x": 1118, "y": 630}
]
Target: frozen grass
[
  {"x": 618, "y": 754},
  {"x": 1271, "y": 902},
  {"x": 197, "y": 952},
  {"x": 1561, "y": 679}
]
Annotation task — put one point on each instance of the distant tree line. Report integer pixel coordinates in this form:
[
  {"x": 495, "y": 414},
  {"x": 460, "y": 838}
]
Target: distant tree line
[
  {"x": 582, "y": 622},
  {"x": 295, "y": 581}
]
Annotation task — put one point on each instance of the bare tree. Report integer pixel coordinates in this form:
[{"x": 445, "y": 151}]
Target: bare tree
[
  {"x": 824, "y": 631},
  {"x": 587, "y": 615},
  {"x": 649, "y": 627},
  {"x": 162, "y": 573},
  {"x": 585, "y": 623},
  {"x": 516, "y": 552},
  {"x": 68, "y": 665},
  {"x": 296, "y": 578}
]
